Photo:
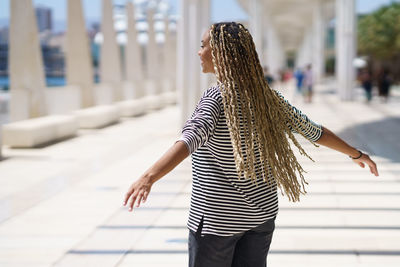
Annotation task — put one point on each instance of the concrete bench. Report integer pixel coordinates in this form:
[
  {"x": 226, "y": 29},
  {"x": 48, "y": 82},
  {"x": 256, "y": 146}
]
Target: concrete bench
[
  {"x": 39, "y": 131},
  {"x": 170, "y": 98},
  {"x": 97, "y": 117},
  {"x": 131, "y": 108},
  {"x": 154, "y": 102}
]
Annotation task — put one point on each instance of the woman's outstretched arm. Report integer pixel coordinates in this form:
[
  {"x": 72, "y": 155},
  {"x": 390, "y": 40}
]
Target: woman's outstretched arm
[
  {"x": 140, "y": 189},
  {"x": 329, "y": 139}
]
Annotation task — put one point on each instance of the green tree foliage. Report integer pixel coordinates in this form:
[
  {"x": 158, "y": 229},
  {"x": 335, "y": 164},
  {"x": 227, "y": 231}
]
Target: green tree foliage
[{"x": 379, "y": 32}]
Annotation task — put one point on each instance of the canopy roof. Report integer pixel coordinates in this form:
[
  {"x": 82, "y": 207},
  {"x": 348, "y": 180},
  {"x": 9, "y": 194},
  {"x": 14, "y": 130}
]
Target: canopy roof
[{"x": 291, "y": 18}]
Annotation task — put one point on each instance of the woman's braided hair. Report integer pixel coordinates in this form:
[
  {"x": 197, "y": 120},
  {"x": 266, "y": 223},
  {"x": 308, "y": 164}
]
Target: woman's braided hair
[{"x": 259, "y": 120}]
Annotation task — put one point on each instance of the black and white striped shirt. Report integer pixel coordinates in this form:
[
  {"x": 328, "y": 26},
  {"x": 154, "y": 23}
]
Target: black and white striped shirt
[{"x": 227, "y": 204}]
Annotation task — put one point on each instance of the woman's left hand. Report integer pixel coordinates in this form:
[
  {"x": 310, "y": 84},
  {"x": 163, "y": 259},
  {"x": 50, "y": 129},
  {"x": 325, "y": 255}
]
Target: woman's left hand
[
  {"x": 138, "y": 192},
  {"x": 365, "y": 159}
]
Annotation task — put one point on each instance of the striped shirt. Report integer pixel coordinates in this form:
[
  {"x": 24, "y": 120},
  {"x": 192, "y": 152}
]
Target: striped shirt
[{"x": 227, "y": 204}]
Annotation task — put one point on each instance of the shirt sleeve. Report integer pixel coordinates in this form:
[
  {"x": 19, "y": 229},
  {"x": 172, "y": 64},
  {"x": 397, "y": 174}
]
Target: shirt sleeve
[
  {"x": 200, "y": 127},
  {"x": 310, "y": 129}
]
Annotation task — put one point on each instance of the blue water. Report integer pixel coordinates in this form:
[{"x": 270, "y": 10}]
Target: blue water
[{"x": 50, "y": 81}]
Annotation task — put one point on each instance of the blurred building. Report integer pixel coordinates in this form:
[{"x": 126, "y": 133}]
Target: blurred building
[
  {"x": 4, "y": 32},
  {"x": 4, "y": 35},
  {"x": 3, "y": 59},
  {"x": 44, "y": 18}
]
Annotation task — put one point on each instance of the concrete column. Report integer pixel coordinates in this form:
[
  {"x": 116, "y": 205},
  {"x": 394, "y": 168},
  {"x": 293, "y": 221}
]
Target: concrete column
[
  {"x": 195, "y": 34},
  {"x": 152, "y": 52},
  {"x": 27, "y": 78},
  {"x": 275, "y": 55},
  {"x": 305, "y": 52},
  {"x": 318, "y": 42},
  {"x": 193, "y": 22},
  {"x": 183, "y": 55},
  {"x": 167, "y": 68},
  {"x": 169, "y": 55},
  {"x": 133, "y": 58},
  {"x": 345, "y": 47},
  {"x": 256, "y": 24},
  {"x": 264, "y": 49},
  {"x": 205, "y": 79},
  {"x": 79, "y": 69},
  {"x": 110, "y": 61}
]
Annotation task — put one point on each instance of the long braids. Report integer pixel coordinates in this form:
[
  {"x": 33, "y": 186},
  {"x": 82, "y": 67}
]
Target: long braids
[{"x": 259, "y": 120}]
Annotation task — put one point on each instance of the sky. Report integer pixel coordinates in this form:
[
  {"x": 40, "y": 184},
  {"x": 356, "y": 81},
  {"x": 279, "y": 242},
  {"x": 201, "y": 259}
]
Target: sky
[{"x": 92, "y": 9}]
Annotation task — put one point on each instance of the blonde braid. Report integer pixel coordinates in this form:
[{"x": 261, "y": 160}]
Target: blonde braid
[{"x": 259, "y": 120}]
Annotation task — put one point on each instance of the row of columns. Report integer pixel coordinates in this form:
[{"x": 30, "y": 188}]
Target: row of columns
[
  {"x": 27, "y": 76},
  {"x": 26, "y": 66},
  {"x": 311, "y": 49},
  {"x": 265, "y": 38}
]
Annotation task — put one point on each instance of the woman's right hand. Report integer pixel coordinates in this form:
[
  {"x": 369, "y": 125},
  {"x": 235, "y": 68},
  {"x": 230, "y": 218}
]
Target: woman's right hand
[
  {"x": 138, "y": 192},
  {"x": 140, "y": 189},
  {"x": 365, "y": 159}
]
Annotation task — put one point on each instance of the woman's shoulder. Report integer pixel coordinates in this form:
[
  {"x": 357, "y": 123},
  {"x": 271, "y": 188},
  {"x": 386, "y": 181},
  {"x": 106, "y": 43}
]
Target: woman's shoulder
[{"x": 213, "y": 92}]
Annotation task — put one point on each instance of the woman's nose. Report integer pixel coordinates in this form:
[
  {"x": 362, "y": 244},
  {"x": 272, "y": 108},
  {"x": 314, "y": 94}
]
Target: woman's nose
[{"x": 199, "y": 53}]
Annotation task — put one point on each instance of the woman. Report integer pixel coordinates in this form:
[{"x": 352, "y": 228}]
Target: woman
[{"x": 238, "y": 137}]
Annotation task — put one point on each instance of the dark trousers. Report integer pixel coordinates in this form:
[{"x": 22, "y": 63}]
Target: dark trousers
[{"x": 248, "y": 249}]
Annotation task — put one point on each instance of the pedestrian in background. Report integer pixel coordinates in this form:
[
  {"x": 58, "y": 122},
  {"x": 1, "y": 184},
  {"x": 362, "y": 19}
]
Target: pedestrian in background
[
  {"x": 384, "y": 82},
  {"x": 299, "y": 76},
  {"x": 366, "y": 83},
  {"x": 268, "y": 77},
  {"x": 308, "y": 84}
]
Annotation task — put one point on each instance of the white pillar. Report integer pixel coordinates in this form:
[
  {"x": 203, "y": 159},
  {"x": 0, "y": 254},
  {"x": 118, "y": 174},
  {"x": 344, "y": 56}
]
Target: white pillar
[
  {"x": 171, "y": 62},
  {"x": 256, "y": 24},
  {"x": 318, "y": 43},
  {"x": 110, "y": 61},
  {"x": 183, "y": 55},
  {"x": 166, "y": 64},
  {"x": 27, "y": 78},
  {"x": 191, "y": 25},
  {"x": 169, "y": 56},
  {"x": 305, "y": 52},
  {"x": 345, "y": 47},
  {"x": 275, "y": 55},
  {"x": 133, "y": 57},
  {"x": 264, "y": 46},
  {"x": 152, "y": 62},
  {"x": 79, "y": 69},
  {"x": 205, "y": 79}
]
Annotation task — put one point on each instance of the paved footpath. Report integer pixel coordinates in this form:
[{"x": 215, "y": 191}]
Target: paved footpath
[{"x": 61, "y": 205}]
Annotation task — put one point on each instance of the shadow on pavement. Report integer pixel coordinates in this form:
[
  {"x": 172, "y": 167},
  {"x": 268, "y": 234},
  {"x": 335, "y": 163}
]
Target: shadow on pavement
[{"x": 380, "y": 138}]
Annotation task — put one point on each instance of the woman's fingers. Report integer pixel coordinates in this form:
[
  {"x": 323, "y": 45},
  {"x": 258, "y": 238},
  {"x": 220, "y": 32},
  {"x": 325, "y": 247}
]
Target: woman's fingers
[
  {"x": 139, "y": 199},
  {"x": 127, "y": 196},
  {"x": 146, "y": 193},
  {"x": 136, "y": 197},
  {"x": 132, "y": 203},
  {"x": 373, "y": 168},
  {"x": 137, "y": 193},
  {"x": 371, "y": 164}
]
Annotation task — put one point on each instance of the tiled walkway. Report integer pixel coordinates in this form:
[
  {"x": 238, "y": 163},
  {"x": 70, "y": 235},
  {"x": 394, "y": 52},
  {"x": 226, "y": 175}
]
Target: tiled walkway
[{"x": 62, "y": 205}]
